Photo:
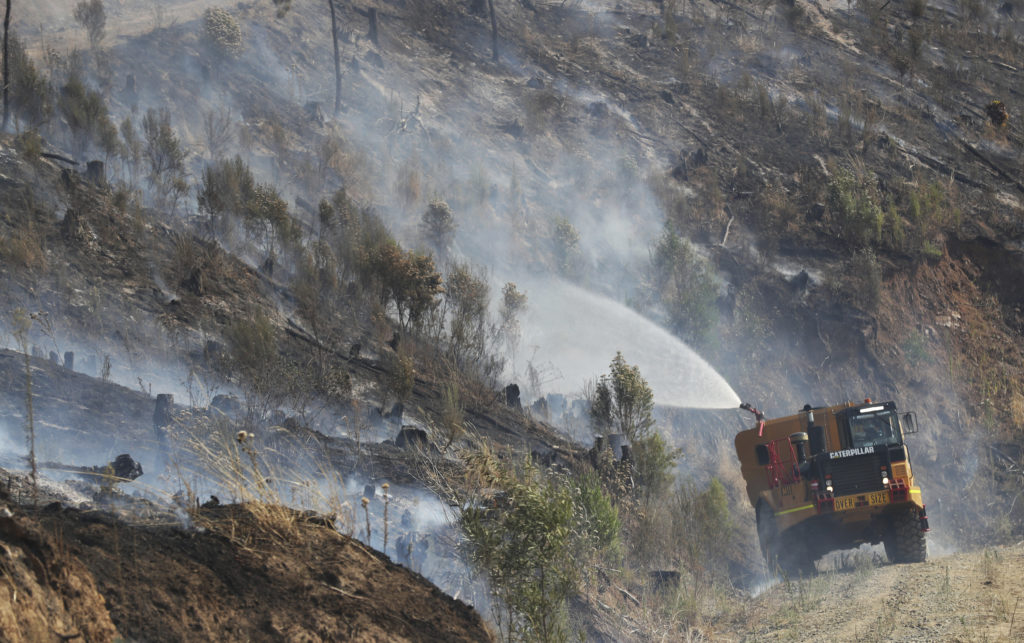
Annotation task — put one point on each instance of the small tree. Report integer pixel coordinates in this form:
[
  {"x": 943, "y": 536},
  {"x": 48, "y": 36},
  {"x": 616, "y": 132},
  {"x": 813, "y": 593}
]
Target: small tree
[
  {"x": 568, "y": 256},
  {"x": 22, "y": 325},
  {"x": 513, "y": 303},
  {"x": 680, "y": 281},
  {"x": 467, "y": 295},
  {"x": 623, "y": 401},
  {"x": 406, "y": 279},
  {"x": 85, "y": 112},
  {"x": 531, "y": 533},
  {"x": 90, "y": 14},
  {"x": 31, "y": 99},
  {"x": 164, "y": 153},
  {"x": 438, "y": 226},
  {"x": 254, "y": 360}
]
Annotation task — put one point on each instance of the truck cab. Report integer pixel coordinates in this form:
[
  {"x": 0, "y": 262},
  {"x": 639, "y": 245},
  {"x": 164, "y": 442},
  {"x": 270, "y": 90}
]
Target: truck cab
[{"x": 830, "y": 478}]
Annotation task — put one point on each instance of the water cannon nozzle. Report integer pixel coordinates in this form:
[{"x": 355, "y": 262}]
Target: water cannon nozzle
[{"x": 747, "y": 406}]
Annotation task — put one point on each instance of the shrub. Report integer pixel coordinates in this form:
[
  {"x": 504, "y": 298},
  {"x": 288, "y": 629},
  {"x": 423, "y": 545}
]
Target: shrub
[
  {"x": 467, "y": 296},
  {"x": 863, "y": 279},
  {"x": 653, "y": 460},
  {"x": 513, "y": 303},
  {"x": 222, "y": 33},
  {"x": 227, "y": 186},
  {"x": 566, "y": 241},
  {"x": 853, "y": 206},
  {"x": 530, "y": 533},
  {"x": 30, "y": 96},
  {"x": 164, "y": 154},
  {"x": 24, "y": 249},
  {"x": 254, "y": 361},
  {"x": 400, "y": 377},
  {"x": 702, "y": 528},
  {"x": 195, "y": 265},
  {"x": 680, "y": 281},
  {"x": 85, "y": 112},
  {"x": 29, "y": 144},
  {"x": 408, "y": 280},
  {"x": 90, "y": 14}
]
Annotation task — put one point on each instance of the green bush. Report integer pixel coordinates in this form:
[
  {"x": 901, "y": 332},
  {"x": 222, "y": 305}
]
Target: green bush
[
  {"x": 532, "y": 535},
  {"x": 85, "y": 113},
  {"x": 623, "y": 402},
  {"x": 253, "y": 361},
  {"x": 566, "y": 245},
  {"x": 164, "y": 154},
  {"x": 90, "y": 14},
  {"x": 680, "y": 281},
  {"x": 407, "y": 280},
  {"x": 222, "y": 33},
  {"x": 853, "y": 207},
  {"x": 29, "y": 144},
  {"x": 30, "y": 95},
  {"x": 438, "y": 227},
  {"x": 229, "y": 191},
  {"x": 467, "y": 297}
]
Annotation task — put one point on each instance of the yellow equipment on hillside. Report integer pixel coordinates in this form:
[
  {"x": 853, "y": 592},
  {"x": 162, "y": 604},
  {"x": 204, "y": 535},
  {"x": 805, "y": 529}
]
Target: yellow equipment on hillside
[{"x": 833, "y": 478}]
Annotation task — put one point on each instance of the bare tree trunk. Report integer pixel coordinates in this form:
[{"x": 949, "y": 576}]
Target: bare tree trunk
[
  {"x": 494, "y": 31},
  {"x": 7, "y": 78},
  {"x": 337, "y": 59},
  {"x": 372, "y": 15}
]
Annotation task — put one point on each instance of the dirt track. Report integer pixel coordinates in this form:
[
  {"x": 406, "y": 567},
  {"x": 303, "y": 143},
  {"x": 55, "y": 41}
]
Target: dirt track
[{"x": 975, "y": 596}]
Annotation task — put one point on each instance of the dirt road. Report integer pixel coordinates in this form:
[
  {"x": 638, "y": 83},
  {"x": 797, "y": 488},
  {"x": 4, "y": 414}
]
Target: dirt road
[{"x": 975, "y": 596}]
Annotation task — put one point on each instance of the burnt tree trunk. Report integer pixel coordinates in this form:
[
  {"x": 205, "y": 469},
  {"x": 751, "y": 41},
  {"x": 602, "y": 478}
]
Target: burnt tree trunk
[
  {"x": 7, "y": 76},
  {"x": 337, "y": 59},
  {"x": 372, "y": 35},
  {"x": 494, "y": 31}
]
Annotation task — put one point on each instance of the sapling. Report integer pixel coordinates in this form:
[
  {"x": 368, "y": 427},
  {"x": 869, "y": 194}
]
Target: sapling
[
  {"x": 22, "y": 325},
  {"x": 387, "y": 499}
]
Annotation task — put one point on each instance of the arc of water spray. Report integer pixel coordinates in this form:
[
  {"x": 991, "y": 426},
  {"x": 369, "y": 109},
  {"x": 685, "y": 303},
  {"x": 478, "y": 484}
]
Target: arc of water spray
[{"x": 579, "y": 332}]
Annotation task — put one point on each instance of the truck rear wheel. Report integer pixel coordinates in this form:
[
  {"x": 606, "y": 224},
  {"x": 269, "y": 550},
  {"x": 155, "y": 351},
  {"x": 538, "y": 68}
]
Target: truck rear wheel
[
  {"x": 905, "y": 542},
  {"x": 786, "y": 554}
]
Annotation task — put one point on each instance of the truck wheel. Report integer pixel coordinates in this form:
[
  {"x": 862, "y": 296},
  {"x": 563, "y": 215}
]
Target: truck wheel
[
  {"x": 766, "y": 529},
  {"x": 905, "y": 542},
  {"x": 787, "y": 555}
]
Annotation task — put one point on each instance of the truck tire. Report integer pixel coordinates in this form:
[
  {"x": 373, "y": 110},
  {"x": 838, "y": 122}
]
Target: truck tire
[
  {"x": 786, "y": 554},
  {"x": 905, "y": 542}
]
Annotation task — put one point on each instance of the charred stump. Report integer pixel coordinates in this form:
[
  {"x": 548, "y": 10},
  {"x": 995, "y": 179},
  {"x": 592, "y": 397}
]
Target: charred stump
[{"x": 96, "y": 174}]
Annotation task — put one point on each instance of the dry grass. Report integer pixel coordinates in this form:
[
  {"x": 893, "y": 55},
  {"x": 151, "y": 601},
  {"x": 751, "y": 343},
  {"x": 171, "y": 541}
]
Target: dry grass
[
  {"x": 273, "y": 474},
  {"x": 23, "y": 250}
]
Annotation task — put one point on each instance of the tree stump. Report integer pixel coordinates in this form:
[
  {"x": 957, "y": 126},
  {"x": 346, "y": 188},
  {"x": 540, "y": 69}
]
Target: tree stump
[{"x": 96, "y": 174}]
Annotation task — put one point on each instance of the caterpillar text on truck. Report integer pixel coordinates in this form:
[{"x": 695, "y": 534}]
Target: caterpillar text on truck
[{"x": 833, "y": 478}]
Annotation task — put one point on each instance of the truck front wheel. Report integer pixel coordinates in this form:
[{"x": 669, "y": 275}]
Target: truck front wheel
[{"x": 904, "y": 541}]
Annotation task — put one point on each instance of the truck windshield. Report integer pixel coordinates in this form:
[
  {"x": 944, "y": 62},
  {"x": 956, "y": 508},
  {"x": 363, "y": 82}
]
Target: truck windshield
[{"x": 874, "y": 428}]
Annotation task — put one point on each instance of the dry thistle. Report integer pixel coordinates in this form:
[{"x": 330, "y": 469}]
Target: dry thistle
[
  {"x": 366, "y": 510},
  {"x": 242, "y": 436}
]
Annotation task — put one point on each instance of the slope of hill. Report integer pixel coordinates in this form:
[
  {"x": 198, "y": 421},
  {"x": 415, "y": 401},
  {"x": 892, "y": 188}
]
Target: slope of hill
[{"x": 848, "y": 190}]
